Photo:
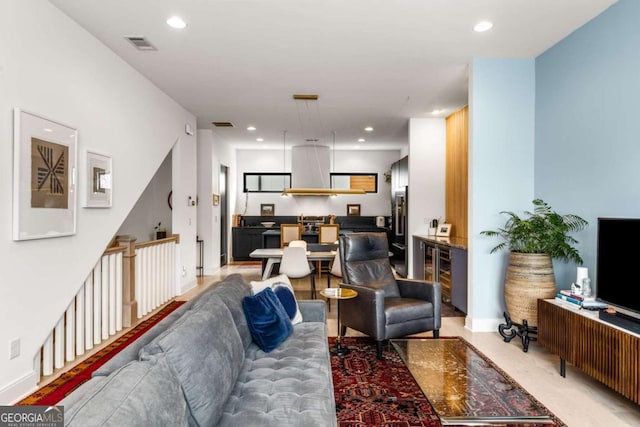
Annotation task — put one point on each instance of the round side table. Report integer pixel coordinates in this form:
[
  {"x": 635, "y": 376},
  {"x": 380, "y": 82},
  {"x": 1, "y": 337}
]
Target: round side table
[{"x": 339, "y": 294}]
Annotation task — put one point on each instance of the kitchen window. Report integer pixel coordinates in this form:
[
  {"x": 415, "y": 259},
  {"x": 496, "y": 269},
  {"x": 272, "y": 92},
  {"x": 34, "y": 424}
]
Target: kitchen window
[{"x": 260, "y": 182}]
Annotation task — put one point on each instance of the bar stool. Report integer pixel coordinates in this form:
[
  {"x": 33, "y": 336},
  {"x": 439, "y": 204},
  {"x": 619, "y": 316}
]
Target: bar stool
[
  {"x": 288, "y": 233},
  {"x": 327, "y": 233}
]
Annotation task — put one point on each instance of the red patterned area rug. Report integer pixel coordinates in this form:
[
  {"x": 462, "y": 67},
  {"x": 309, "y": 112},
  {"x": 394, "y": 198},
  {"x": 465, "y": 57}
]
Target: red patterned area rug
[
  {"x": 68, "y": 381},
  {"x": 371, "y": 392},
  {"x": 462, "y": 387}
]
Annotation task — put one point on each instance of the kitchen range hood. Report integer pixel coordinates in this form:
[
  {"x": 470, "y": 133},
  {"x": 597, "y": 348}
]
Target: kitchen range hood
[{"x": 310, "y": 176}]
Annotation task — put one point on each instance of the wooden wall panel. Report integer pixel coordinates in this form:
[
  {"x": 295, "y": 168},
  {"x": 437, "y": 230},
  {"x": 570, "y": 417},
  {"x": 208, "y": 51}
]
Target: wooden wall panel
[
  {"x": 456, "y": 171},
  {"x": 362, "y": 182}
]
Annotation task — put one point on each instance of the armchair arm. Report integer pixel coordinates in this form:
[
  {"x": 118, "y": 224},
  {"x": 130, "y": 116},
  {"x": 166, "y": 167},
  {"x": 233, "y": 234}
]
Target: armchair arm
[
  {"x": 424, "y": 290},
  {"x": 365, "y": 312}
]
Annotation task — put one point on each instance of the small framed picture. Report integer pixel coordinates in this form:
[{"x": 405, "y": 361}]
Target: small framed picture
[
  {"x": 216, "y": 199},
  {"x": 98, "y": 180},
  {"x": 444, "y": 230},
  {"x": 353, "y": 210},
  {"x": 267, "y": 209}
]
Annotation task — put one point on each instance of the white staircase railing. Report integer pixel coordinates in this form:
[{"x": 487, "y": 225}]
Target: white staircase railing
[
  {"x": 127, "y": 283},
  {"x": 155, "y": 274}
]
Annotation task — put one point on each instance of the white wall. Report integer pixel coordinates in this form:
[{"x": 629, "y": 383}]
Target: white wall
[
  {"x": 152, "y": 207},
  {"x": 427, "y": 148},
  {"x": 61, "y": 72},
  {"x": 346, "y": 161},
  {"x": 212, "y": 153},
  {"x": 207, "y": 213},
  {"x": 185, "y": 210}
]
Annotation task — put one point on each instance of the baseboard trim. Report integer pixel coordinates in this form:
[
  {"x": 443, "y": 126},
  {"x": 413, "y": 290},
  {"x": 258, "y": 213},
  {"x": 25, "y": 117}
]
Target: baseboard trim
[
  {"x": 186, "y": 287},
  {"x": 18, "y": 389},
  {"x": 482, "y": 325}
]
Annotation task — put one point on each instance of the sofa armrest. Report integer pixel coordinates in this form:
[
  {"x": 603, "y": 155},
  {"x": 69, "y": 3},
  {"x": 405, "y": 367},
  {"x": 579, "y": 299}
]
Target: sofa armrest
[{"x": 313, "y": 310}]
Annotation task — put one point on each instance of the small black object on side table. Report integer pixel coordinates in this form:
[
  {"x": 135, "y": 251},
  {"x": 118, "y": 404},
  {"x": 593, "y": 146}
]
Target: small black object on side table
[{"x": 338, "y": 294}]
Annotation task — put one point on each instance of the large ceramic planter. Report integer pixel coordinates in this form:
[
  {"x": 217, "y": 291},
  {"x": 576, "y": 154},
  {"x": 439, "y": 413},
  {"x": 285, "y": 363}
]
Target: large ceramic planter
[{"x": 529, "y": 278}]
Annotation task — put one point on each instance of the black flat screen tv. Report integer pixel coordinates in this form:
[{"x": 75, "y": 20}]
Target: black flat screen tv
[{"x": 617, "y": 261}]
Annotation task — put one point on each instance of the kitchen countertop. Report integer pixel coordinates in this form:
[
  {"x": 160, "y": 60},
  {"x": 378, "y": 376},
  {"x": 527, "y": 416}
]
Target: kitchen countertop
[
  {"x": 454, "y": 242},
  {"x": 276, "y": 232}
]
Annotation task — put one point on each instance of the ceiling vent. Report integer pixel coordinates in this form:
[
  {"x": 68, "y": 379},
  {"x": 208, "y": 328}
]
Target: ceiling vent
[
  {"x": 140, "y": 43},
  {"x": 222, "y": 124}
]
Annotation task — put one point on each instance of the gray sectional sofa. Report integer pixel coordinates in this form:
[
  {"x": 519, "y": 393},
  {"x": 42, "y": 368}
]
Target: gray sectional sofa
[{"x": 200, "y": 367}]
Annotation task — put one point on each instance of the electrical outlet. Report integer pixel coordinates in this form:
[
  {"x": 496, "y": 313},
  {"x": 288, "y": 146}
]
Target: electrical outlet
[{"x": 15, "y": 348}]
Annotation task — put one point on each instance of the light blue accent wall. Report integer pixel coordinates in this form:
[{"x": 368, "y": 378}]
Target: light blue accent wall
[
  {"x": 501, "y": 175},
  {"x": 588, "y": 126}
]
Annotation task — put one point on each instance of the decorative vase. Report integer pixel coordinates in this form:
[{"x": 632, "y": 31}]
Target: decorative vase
[{"x": 529, "y": 278}]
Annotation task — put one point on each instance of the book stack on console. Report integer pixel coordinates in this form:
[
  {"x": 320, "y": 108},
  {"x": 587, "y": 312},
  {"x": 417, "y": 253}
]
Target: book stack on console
[{"x": 567, "y": 296}]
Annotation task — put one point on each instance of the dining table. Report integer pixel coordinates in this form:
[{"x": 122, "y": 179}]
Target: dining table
[{"x": 273, "y": 256}]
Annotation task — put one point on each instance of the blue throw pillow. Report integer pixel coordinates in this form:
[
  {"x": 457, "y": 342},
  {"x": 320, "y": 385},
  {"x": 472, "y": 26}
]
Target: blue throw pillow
[
  {"x": 268, "y": 321},
  {"x": 287, "y": 299}
]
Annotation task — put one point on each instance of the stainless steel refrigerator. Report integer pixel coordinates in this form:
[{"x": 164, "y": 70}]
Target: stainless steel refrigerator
[{"x": 399, "y": 205}]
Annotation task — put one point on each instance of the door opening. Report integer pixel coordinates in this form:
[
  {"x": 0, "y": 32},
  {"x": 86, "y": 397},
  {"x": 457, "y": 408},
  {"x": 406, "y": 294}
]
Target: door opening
[{"x": 224, "y": 247}]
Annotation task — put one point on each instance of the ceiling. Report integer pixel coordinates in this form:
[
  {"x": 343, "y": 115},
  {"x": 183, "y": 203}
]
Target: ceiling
[{"x": 371, "y": 62}]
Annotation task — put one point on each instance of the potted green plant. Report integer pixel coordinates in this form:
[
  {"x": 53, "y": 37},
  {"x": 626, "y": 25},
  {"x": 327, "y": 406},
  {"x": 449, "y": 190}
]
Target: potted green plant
[{"x": 533, "y": 241}]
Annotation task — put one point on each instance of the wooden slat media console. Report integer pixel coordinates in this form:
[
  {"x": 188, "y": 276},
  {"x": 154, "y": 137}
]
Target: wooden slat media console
[{"x": 606, "y": 352}]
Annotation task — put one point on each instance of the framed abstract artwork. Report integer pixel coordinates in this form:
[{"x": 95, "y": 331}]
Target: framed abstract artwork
[
  {"x": 98, "y": 180},
  {"x": 44, "y": 177}
]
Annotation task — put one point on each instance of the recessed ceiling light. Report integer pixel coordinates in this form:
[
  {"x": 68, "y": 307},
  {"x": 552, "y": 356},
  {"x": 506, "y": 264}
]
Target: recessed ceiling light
[
  {"x": 368, "y": 129},
  {"x": 437, "y": 111},
  {"x": 259, "y": 139},
  {"x": 48, "y": 130},
  {"x": 361, "y": 140},
  {"x": 176, "y": 22},
  {"x": 251, "y": 128},
  {"x": 482, "y": 26}
]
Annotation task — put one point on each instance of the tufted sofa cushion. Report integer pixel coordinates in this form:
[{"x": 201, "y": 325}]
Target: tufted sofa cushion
[
  {"x": 289, "y": 386},
  {"x": 204, "y": 349}
]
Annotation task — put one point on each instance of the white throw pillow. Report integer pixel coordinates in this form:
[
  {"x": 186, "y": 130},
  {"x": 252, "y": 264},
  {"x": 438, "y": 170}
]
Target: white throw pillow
[{"x": 281, "y": 286}]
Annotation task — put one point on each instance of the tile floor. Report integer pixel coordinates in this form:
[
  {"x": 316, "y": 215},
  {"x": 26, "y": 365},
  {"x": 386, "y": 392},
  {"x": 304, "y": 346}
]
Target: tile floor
[{"x": 578, "y": 400}]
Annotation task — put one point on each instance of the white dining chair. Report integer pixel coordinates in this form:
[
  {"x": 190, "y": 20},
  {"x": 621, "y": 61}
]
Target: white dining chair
[
  {"x": 295, "y": 265},
  {"x": 299, "y": 244}
]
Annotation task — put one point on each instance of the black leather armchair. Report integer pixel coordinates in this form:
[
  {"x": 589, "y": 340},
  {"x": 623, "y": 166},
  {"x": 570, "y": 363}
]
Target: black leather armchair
[{"x": 386, "y": 307}]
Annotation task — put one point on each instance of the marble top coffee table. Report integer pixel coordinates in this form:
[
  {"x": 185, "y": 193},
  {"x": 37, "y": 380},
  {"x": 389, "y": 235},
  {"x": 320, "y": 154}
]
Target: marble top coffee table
[{"x": 465, "y": 388}]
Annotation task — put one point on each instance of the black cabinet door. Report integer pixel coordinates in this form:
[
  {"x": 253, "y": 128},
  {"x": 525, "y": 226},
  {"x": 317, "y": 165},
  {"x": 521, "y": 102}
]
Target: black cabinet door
[
  {"x": 459, "y": 279},
  {"x": 245, "y": 241}
]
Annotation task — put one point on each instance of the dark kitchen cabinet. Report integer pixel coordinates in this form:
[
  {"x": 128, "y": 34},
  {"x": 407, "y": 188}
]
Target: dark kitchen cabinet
[{"x": 244, "y": 241}]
